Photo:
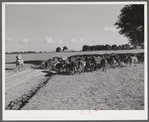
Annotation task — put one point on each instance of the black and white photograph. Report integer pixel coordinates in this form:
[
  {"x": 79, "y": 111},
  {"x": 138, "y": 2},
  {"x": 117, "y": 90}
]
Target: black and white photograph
[{"x": 74, "y": 61}]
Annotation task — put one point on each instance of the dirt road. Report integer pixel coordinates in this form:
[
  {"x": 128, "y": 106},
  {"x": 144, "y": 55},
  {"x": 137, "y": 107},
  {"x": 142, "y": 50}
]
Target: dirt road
[
  {"x": 36, "y": 89},
  {"x": 21, "y": 83},
  {"x": 20, "y": 77}
]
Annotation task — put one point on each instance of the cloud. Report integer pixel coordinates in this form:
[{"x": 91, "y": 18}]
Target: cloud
[
  {"x": 49, "y": 40},
  {"x": 8, "y": 39},
  {"x": 113, "y": 29},
  {"x": 73, "y": 40},
  {"x": 24, "y": 41},
  {"x": 80, "y": 40}
]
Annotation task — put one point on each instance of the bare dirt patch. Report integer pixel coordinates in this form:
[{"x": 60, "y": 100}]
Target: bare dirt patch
[{"x": 118, "y": 89}]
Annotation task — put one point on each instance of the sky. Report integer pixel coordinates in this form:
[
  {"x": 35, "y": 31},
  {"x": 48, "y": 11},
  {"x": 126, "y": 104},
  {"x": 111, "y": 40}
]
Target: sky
[{"x": 45, "y": 27}]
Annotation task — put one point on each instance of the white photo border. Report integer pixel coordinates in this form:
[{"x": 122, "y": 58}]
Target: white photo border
[{"x": 74, "y": 114}]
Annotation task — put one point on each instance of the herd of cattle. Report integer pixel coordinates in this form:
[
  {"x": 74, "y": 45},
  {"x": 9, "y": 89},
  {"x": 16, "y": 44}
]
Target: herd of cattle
[{"x": 82, "y": 63}]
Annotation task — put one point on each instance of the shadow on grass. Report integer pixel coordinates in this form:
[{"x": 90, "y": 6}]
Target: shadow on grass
[
  {"x": 55, "y": 72},
  {"x": 48, "y": 74},
  {"x": 34, "y": 62},
  {"x": 10, "y": 69},
  {"x": 51, "y": 73},
  {"x": 63, "y": 73},
  {"x": 36, "y": 67}
]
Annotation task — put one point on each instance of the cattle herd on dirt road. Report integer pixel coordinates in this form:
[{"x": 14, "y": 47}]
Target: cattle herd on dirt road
[{"x": 83, "y": 63}]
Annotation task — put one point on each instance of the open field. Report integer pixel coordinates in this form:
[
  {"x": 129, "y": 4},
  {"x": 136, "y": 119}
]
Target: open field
[
  {"x": 36, "y": 58},
  {"x": 36, "y": 89},
  {"x": 118, "y": 89},
  {"x": 46, "y": 56}
]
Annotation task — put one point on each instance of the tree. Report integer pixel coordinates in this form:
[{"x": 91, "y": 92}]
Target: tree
[
  {"x": 85, "y": 48},
  {"x": 65, "y": 48},
  {"x": 102, "y": 47},
  {"x": 123, "y": 47},
  {"x": 114, "y": 47},
  {"x": 58, "y": 49},
  {"x": 127, "y": 46},
  {"x": 97, "y": 47},
  {"x": 92, "y": 48},
  {"x": 142, "y": 46},
  {"x": 119, "y": 47},
  {"x": 131, "y": 23},
  {"x": 107, "y": 47}
]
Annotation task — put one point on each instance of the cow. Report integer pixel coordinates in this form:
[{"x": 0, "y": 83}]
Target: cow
[
  {"x": 63, "y": 64},
  {"x": 90, "y": 62},
  {"x": 74, "y": 63},
  {"x": 101, "y": 62},
  {"x": 66, "y": 64},
  {"x": 117, "y": 59},
  {"x": 97, "y": 61},
  {"x": 44, "y": 64},
  {"x": 51, "y": 63},
  {"x": 59, "y": 66},
  {"x": 140, "y": 57},
  {"x": 82, "y": 64},
  {"x": 122, "y": 59},
  {"x": 104, "y": 64},
  {"x": 134, "y": 59},
  {"x": 111, "y": 61}
]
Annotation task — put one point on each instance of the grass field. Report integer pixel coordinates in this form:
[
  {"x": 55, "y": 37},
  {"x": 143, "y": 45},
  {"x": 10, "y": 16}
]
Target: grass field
[
  {"x": 46, "y": 56},
  {"x": 35, "y": 58},
  {"x": 118, "y": 89}
]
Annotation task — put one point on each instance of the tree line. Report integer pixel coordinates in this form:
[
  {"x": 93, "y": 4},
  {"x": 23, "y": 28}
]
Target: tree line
[
  {"x": 109, "y": 47},
  {"x": 24, "y": 52},
  {"x": 58, "y": 49}
]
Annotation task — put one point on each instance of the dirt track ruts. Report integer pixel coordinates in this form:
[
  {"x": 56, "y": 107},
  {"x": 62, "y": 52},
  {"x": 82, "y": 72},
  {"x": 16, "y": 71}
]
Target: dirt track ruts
[{"x": 23, "y": 83}]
